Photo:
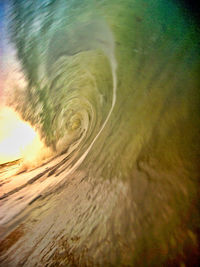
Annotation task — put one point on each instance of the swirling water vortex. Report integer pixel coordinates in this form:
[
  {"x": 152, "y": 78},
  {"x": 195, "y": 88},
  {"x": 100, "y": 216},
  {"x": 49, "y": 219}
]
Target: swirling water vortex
[{"x": 91, "y": 35}]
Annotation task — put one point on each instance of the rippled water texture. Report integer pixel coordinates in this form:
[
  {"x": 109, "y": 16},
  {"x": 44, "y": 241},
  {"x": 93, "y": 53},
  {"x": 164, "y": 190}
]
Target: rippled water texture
[{"x": 113, "y": 89}]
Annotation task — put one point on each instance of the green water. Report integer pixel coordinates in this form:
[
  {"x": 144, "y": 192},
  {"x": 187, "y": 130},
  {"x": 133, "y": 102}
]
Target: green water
[{"x": 115, "y": 85}]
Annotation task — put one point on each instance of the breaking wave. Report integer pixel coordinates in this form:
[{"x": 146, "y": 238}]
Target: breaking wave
[{"x": 111, "y": 87}]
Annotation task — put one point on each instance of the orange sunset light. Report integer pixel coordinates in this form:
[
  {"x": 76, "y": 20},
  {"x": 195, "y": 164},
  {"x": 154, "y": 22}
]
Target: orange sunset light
[{"x": 18, "y": 140}]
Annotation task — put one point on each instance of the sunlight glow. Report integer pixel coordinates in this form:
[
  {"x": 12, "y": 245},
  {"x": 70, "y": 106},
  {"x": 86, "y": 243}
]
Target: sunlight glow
[{"x": 18, "y": 140}]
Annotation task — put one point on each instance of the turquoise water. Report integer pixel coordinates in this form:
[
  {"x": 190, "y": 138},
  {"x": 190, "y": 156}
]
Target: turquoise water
[{"x": 113, "y": 88}]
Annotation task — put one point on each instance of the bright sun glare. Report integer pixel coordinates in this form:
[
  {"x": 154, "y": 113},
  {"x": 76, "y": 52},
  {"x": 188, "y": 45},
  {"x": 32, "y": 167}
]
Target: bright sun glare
[{"x": 18, "y": 140}]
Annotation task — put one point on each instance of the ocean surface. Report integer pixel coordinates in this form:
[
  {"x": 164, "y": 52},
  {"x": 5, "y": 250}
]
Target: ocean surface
[{"x": 112, "y": 87}]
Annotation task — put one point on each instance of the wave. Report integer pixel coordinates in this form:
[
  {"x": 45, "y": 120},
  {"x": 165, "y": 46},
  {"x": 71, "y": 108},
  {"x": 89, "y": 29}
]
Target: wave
[{"x": 112, "y": 88}]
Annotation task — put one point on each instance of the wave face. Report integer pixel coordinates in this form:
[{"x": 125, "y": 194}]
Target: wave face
[{"x": 112, "y": 87}]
